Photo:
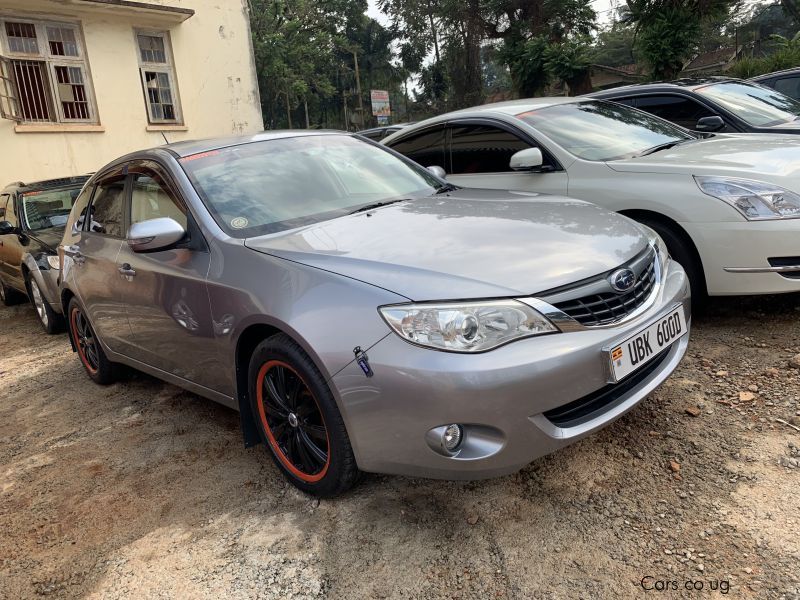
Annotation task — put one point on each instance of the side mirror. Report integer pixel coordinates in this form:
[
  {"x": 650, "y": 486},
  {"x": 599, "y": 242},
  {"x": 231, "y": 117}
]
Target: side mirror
[
  {"x": 529, "y": 159},
  {"x": 438, "y": 171},
  {"x": 714, "y": 123},
  {"x": 7, "y": 228},
  {"x": 155, "y": 234}
]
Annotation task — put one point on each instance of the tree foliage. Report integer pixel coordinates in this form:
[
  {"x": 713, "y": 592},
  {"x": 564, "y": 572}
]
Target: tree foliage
[{"x": 668, "y": 31}]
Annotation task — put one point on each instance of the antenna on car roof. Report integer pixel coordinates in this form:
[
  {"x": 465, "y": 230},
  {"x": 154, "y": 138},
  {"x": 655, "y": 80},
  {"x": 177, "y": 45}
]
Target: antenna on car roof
[{"x": 164, "y": 135}]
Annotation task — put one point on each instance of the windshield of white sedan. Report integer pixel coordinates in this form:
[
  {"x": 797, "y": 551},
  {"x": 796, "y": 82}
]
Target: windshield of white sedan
[
  {"x": 756, "y": 105},
  {"x": 274, "y": 185},
  {"x": 602, "y": 131},
  {"x": 47, "y": 210}
]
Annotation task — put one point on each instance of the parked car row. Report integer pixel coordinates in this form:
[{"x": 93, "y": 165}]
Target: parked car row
[{"x": 363, "y": 313}]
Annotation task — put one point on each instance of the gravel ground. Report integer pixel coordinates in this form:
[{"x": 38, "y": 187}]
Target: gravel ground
[{"x": 141, "y": 489}]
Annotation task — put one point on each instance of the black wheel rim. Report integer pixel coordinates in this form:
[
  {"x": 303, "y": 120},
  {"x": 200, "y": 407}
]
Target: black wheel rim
[
  {"x": 293, "y": 421},
  {"x": 85, "y": 340}
]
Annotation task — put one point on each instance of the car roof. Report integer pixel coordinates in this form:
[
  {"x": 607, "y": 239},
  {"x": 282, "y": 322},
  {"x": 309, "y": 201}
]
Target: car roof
[
  {"x": 48, "y": 184},
  {"x": 509, "y": 107},
  {"x": 792, "y": 71},
  {"x": 690, "y": 83},
  {"x": 190, "y": 147}
]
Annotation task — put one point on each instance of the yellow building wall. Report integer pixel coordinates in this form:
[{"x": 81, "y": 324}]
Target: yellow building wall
[{"x": 215, "y": 74}]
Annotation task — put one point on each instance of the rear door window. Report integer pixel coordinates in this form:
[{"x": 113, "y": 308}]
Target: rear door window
[
  {"x": 107, "y": 209},
  {"x": 425, "y": 148}
]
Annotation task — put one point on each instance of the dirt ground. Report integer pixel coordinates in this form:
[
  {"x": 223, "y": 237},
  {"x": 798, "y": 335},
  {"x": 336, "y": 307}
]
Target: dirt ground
[{"x": 143, "y": 490}]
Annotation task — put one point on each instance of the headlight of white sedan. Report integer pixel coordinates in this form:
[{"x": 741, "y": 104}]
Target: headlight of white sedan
[
  {"x": 756, "y": 200},
  {"x": 466, "y": 326}
]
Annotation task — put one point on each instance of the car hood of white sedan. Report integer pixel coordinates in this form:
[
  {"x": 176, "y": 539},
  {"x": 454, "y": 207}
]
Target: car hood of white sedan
[
  {"x": 466, "y": 244},
  {"x": 738, "y": 155}
]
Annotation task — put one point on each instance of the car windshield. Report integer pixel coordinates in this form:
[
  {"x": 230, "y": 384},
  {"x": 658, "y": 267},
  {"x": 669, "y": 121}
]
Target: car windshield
[
  {"x": 47, "y": 209},
  {"x": 756, "y": 105},
  {"x": 600, "y": 131},
  {"x": 274, "y": 185}
]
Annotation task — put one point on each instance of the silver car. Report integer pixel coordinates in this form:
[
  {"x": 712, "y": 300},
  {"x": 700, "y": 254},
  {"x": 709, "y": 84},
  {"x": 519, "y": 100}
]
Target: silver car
[{"x": 363, "y": 314}]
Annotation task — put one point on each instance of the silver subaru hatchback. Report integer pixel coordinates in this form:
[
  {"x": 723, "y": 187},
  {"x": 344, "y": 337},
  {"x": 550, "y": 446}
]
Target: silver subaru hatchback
[{"x": 363, "y": 314}]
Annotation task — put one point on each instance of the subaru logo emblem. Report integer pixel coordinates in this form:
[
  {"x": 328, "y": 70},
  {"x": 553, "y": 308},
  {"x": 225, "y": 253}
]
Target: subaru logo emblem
[{"x": 622, "y": 280}]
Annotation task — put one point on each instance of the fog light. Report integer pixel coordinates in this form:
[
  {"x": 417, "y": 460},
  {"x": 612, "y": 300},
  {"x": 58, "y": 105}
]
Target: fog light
[{"x": 451, "y": 438}]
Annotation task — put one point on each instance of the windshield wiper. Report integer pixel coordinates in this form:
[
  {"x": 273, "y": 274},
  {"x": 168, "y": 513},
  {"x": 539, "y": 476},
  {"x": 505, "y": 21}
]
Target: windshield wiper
[
  {"x": 660, "y": 147},
  {"x": 447, "y": 187},
  {"x": 374, "y": 205}
]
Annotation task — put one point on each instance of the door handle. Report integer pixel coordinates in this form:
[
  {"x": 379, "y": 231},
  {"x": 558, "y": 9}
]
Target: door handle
[
  {"x": 127, "y": 270},
  {"x": 74, "y": 252}
]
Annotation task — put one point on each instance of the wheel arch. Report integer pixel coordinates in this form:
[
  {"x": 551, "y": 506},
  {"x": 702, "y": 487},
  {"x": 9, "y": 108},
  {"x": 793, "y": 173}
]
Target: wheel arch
[{"x": 648, "y": 215}]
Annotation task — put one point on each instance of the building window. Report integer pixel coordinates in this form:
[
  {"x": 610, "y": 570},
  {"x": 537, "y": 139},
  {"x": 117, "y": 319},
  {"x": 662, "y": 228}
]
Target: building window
[
  {"x": 44, "y": 77},
  {"x": 158, "y": 78}
]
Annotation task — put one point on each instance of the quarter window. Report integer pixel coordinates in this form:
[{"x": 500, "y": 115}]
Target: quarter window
[
  {"x": 44, "y": 78},
  {"x": 677, "y": 109},
  {"x": 483, "y": 149},
  {"x": 426, "y": 148},
  {"x": 107, "y": 208},
  {"x": 157, "y": 73}
]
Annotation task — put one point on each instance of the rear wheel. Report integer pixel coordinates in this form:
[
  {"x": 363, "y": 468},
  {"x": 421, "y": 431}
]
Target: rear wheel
[
  {"x": 51, "y": 321},
  {"x": 682, "y": 250},
  {"x": 91, "y": 353},
  {"x": 298, "y": 419}
]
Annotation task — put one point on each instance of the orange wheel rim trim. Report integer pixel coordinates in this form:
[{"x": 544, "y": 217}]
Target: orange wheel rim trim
[
  {"x": 285, "y": 461},
  {"x": 73, "y": 317}
]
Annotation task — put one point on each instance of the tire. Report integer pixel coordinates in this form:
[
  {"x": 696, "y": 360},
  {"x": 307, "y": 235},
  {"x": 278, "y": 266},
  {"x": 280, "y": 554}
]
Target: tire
[
  {"x": 88, "y": 346},
  {"x": 9, "y": 296},
  {"x": 682, "y": 250},
  {"x": 51, "y": 321},
  {"x": 298, "y": 420}
]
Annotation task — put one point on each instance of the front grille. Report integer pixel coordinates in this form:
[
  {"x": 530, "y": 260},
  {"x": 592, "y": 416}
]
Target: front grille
[
  {"x": 604, "y": 307},
  {"x": 592, "y": 405}
]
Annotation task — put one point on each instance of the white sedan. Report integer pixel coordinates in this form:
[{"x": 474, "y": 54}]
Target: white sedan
[{"x": 727, "y": 205}]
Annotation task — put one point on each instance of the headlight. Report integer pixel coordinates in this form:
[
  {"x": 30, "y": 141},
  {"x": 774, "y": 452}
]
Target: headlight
[
  {"x": 53, "y": 262},
  {"x": 756, "y": 200},
  {"x": 466, "y": 326},
  {"x": 656, "y": 243}
]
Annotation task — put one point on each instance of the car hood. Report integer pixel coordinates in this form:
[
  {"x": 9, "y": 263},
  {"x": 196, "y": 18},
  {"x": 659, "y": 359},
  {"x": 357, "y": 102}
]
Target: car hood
[
  {"x": 727, "y": 154},
  {"x": 466, "y": 244}
]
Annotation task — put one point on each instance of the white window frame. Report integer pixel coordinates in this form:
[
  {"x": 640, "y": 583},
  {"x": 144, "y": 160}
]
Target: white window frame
[
  {"x": 167, "y": 67},
  {"x": 51, "y": 62}
]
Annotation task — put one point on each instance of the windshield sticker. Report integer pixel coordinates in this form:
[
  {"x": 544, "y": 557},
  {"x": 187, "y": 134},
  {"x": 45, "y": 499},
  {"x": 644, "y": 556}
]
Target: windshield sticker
[{"x": 239, "y": 223}]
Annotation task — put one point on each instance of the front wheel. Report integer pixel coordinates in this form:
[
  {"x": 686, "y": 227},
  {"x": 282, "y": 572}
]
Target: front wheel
[
  {"x": 51, "y": 321},
  {"x": 91, "y": 353},
  {"x": 298, "y": 419}
]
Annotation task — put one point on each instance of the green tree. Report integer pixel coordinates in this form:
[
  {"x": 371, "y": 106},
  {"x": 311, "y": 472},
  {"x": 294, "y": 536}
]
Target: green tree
[{"x": 668, "y": 31}]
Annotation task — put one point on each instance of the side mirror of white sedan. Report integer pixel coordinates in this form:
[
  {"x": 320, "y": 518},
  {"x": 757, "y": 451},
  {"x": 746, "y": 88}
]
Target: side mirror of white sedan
[{"x": 529, "y": 159}]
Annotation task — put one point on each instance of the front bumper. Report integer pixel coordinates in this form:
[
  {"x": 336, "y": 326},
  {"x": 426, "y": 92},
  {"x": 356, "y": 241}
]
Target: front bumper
[
  {"x": 499, "y": 395},
  {"x": 736, "y": 255}
]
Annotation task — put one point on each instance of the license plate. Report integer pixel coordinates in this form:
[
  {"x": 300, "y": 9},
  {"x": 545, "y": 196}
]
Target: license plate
[{"x": 640, "y": 348}]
